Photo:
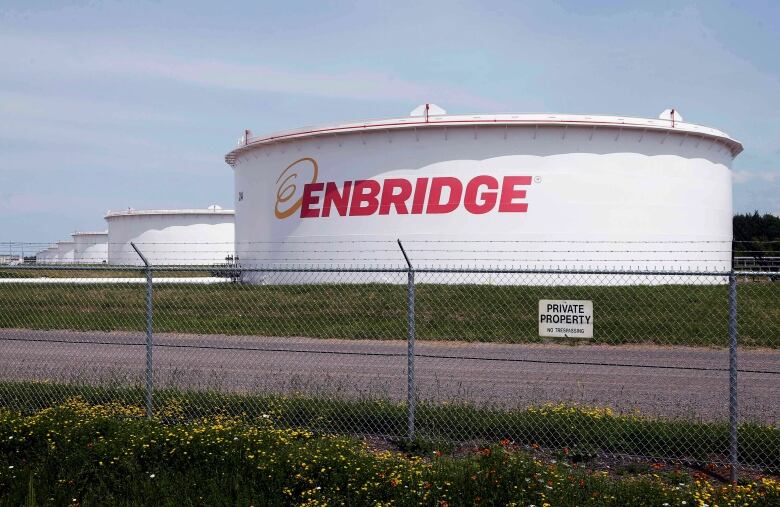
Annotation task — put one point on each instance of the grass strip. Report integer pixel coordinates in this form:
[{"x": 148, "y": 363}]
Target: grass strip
[
  {"x": 584, "y": 432},
  {"x": 661, "y": 314}
]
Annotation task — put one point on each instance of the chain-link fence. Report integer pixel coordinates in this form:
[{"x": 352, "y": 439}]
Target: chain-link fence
[{"x": 681, "y": 365}]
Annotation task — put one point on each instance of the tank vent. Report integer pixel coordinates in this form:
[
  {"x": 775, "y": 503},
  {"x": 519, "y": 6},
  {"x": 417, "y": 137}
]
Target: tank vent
[
  {"x": 427, "y": 110},
  {"x": 672, "y": 115}
]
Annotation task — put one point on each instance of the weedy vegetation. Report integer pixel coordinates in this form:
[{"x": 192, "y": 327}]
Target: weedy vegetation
[
  {"x": 585, "y": 432},
  {"x": 75, "y": 453}
]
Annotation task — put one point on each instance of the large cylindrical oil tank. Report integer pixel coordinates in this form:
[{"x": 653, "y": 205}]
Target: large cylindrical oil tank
[
  {"x": 91, "y": 247},
  {"x": 171, "y": 237},
  {"x": 511, "y": 190}
]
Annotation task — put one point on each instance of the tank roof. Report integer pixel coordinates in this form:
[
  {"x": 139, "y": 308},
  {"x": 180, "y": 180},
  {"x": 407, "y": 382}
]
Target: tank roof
[
  {"x": 90, "y": 233},
  {"x": 147, "y": 212},
  {"x": 247, "y": 142}
]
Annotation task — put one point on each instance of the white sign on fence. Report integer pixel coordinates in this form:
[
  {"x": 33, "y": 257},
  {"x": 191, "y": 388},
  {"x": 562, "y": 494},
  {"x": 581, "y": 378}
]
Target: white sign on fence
[{"x": 565, "y": 319}]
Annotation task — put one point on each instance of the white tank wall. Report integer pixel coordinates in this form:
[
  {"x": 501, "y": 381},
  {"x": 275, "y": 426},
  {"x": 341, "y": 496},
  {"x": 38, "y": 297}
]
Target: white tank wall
[
  {"x": 166, "y": 239},
  {"x": 91, "y": 248},
  {"x": 634, "y": 190},
  {"x": 52, "y": 255},
  {"x": 65, "y": 252},
  {"x": 47, "y": 256}
]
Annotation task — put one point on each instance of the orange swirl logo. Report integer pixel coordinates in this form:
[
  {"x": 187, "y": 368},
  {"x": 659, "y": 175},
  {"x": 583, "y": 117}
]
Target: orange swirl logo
[{"x": 286, "y": 188}]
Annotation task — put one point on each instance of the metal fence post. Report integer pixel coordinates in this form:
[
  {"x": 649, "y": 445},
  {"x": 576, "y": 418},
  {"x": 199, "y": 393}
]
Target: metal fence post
[
  {"x": 733, "y": 396},
  {"x": 149, "y": 334},
  {"x": 410, "y": 336}
]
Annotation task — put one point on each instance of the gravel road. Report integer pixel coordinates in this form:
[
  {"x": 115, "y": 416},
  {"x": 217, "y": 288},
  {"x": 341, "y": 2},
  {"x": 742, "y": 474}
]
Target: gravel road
[{"x": 689, "y": 382}]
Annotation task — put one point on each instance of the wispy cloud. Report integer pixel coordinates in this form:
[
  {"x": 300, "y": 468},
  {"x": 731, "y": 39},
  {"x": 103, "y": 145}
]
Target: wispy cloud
[
  {"x": 748, "y": 176},
  {"x": 117, "y": 58},
  {"x": 27, "y": 202},
  {"x": 45, "y": 106},
  {"x": 110, "y": 150}
]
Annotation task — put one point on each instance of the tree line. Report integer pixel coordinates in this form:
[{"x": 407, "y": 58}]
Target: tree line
[{"x": 756, "y": 235}]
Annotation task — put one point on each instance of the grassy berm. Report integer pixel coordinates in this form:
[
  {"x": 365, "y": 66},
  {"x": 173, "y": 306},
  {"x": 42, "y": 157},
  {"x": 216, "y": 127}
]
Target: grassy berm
[
  {"x": 81, "y": 454},
  {"x": 661, "y": 314}
]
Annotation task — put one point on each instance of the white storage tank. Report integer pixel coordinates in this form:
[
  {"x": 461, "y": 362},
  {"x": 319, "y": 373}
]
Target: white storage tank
[
  {"x": 91, "y": 247},
  {"x": 538, "y": 191},
  {"x": 52, "y": 255},
  {"x": 171, "y": 237},
  {"x": 47, "y": 256},
  {"x": 65, "y": 252}
]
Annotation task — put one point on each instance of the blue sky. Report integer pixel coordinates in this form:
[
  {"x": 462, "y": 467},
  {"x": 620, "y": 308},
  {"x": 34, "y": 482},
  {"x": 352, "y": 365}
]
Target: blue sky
[{"x": 105, "y": 105}]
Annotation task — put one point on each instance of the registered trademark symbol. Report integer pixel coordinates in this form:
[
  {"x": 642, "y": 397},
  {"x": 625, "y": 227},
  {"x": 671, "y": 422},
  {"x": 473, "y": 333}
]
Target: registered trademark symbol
[{"x": 537, "y": 179}]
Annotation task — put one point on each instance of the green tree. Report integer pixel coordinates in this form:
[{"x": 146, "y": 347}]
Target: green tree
[{"x": 756, "y": 235}]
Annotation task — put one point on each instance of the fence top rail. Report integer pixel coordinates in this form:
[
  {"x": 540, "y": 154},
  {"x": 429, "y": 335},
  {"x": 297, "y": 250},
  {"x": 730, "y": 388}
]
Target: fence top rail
[
  {"x": 743, "y": 272},
  {"x": 229, "y": 270},
  {"x": 235, "y": 270},
  {"x": 78, "y": 267}
]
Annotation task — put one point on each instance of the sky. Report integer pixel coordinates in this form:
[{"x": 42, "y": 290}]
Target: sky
[{"x": 109, "y": 105}]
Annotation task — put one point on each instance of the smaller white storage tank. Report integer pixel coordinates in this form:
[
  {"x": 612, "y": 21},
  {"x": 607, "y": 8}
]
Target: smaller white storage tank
[
  {"x": 51, "y": 254},
  {"x": 91, "y": 246},
  {"x": 45, "y": 255},
  {"x": 171, "y": 237},
  {"x": 65, "y": 251}
]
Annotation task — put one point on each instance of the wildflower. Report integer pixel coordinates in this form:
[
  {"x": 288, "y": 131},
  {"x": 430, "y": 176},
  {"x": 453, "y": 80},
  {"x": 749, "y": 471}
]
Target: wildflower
[{"x": 151, "y": 476}]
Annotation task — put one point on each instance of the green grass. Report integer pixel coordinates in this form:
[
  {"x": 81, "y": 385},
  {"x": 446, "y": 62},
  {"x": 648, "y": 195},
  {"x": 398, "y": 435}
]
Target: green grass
[
  {"x": 667, "y": 314},
  {"x": 583, "y": 431},
  {"x": 76, "y": 454}
]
